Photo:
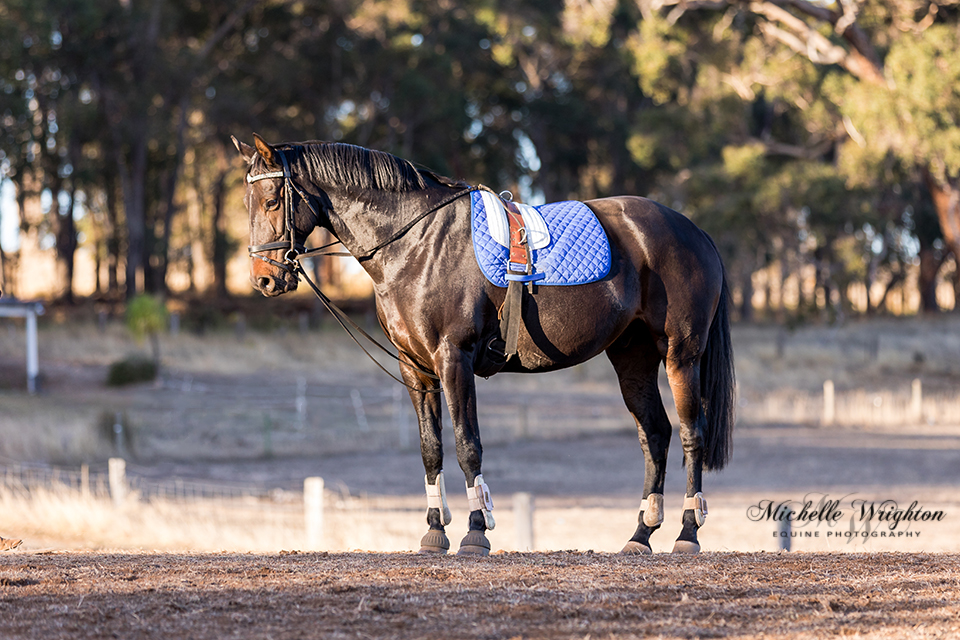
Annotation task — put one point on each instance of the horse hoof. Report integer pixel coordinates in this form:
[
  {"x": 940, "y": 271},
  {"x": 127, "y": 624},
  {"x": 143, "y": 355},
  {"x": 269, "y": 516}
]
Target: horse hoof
[
  {"x": 474, "y": 544},
  {"x": 434, "y": 542},
  {"x": 685, "y": 546},
  {"x": 633, "y": 548}
]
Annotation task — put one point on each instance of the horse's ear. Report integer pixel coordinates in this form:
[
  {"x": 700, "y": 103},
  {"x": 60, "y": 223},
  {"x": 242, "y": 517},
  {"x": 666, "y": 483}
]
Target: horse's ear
[
  {"x": 245, "y": 150},
  {"x": 265, "y": 151}
]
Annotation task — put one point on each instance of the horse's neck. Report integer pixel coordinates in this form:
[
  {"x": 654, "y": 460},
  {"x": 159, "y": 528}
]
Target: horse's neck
[{"x": 364, "y": 221}]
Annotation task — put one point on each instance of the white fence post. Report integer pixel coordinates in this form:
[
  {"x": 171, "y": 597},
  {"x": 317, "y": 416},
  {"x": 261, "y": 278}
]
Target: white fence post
[
  {"x": 829, "y": 403},
  {"x": 118, "y": 480},
  {"x": 916, "y": 401},
  {"x": 523, "y": 519},
  {"x": 33, "y": 363},
  {"x": 301, "y": 403},
  {"x": 313, "y": 512}
]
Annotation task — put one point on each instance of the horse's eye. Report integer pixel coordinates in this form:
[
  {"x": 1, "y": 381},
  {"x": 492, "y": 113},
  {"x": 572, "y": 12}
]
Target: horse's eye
[{"x": 272, "y": 203}]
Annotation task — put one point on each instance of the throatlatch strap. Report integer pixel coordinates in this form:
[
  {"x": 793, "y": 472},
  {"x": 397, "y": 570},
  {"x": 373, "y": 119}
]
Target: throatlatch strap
[
  {"x": 699, "y": 505},
  {"x": 478, "y": 499},
  {"x": 437, "y": 498},
  {"x": 652, "y": 507}
]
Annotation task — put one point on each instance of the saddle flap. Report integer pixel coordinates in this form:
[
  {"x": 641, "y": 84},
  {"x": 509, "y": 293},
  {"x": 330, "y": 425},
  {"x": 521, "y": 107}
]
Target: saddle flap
[{"x": 499, "y": 228}]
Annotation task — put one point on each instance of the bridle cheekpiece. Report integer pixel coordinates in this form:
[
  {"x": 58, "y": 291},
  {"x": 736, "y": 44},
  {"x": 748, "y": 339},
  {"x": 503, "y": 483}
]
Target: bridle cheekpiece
[{"x": 294, "y": 249}]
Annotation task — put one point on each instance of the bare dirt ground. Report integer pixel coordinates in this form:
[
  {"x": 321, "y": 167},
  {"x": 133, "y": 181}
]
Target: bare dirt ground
[{"x": 533, "y": 595}]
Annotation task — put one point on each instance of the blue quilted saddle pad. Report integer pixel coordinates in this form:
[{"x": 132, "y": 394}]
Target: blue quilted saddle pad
[{"x": 577, "y": 251}]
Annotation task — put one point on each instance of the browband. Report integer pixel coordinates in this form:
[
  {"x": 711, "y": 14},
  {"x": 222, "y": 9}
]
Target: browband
[{"x": 264, "y": 176}]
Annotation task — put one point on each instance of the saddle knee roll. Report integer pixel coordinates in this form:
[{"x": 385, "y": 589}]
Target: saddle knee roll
[
  {"x": 437, "y": 498},
  {"x": 478, "y": 499},
  {"x": 699, "y": 506},
  {"x": 652, "y": 507}
]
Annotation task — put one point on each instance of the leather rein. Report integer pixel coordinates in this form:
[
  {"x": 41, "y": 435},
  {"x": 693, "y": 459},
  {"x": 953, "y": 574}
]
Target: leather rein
[{"x": 296, "y": 252}]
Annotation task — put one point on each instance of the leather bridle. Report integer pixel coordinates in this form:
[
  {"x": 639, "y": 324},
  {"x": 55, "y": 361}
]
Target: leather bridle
[{"x": 294, "y": 250}]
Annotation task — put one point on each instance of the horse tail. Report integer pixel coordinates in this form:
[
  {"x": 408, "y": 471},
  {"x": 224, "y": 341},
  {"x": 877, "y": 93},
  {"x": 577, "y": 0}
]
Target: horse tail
[{"x": 718, "y": 386}]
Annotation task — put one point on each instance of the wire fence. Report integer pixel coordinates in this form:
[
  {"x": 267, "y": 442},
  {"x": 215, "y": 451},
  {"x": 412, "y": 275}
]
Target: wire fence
[
  {"x": 94, "y": 482},
  {"x": 909, "y": 407},
  {"x": 119, "y": 509},
  {"x": 233, "y": 418}
]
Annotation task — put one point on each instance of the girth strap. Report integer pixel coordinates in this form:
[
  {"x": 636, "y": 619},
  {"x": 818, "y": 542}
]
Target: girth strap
[{"x": 519, "y": 272}]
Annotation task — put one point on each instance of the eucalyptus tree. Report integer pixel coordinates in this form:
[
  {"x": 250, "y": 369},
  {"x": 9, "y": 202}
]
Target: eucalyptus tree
[{"x": 887, "y": 74}]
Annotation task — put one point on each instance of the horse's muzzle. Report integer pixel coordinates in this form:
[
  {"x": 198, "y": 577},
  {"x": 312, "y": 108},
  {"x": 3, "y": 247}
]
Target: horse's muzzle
[{"x": 272, "y": 286}]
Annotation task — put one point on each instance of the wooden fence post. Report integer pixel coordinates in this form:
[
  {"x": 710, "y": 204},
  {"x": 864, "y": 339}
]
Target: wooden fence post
[
  {"x": 33, "y": 366},
  {"x": 313, "y": 512},
  {"x": 916, "y": 401},
  {"x": 118, "y": 480},
  {"x": 784, "y": 531},
  {"x": 829, "y": 403},
  {"x": 85, "y": 481},
  {"x": 523, "y": 519}
]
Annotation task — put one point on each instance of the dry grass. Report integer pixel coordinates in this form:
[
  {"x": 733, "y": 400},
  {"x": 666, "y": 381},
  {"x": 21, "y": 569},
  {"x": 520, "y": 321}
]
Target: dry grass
[
  {"x": 70, "y": 423},
  {"x": 780, "y": 375},
  {"x": 60, "y": 518}
]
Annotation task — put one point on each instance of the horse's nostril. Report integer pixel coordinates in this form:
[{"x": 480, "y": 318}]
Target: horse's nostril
[{"x": 265, "y": 283}]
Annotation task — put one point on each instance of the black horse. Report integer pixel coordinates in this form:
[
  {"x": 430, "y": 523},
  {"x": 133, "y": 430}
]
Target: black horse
[{"x": 664, "y": 300}]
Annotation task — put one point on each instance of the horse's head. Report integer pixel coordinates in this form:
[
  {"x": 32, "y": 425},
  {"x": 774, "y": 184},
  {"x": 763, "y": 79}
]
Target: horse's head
[{"x": 278, "y": 226}]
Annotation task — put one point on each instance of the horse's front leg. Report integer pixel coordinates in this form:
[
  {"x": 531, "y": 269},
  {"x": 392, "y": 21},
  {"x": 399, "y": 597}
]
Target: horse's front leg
[
  {"x": 457, "y": 378},
  {"x": 427, "y": 405}
]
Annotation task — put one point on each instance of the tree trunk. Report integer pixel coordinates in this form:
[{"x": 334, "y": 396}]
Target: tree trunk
[
  {"x": 67, "y": 244},
  {"x": 746, "y": 303},
  {"x": 170, "y": 197},
  {"x": 3, "y": 255},
  {"x": 930, "y": 264},
  {"x": 133, "y": 184},
  {"x": 113, "y": 239},
  {"x": 220, "y": 241},
  {"x": 946, "y": 202},
  {"x": 67, "y": 228}
]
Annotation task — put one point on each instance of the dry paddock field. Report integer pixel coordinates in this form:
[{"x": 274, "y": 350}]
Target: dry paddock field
[
  {"x": 48, "y": 592},
  {"x": 508, "y": 595}
]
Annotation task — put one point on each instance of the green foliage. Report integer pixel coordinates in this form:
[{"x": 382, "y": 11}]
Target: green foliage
[
  {"x": 782, "y": 156},
  {"x": 131, "y": 370},
  {"x": 146, "y": 315}
]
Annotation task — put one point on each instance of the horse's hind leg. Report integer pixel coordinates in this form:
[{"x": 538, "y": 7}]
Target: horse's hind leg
[
  {"x": 683, "y": 373},
  {"x": 637, "y": 362}
]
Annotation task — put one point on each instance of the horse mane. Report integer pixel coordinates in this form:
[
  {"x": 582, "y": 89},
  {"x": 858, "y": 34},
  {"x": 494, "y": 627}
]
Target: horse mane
[{"x": 340, "y": 163}]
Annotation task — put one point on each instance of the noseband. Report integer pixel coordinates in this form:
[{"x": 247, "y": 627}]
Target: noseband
[{"x": 294, "y": 250}]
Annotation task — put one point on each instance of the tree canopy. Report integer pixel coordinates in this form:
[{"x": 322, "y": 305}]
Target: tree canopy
[{"x": 818, "y": 142}]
